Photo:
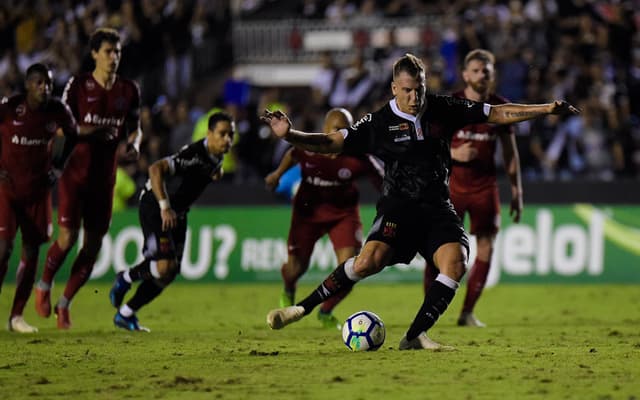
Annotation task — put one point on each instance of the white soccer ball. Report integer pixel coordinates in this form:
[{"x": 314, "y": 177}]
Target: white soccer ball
[{"x": 363, "y": 331}]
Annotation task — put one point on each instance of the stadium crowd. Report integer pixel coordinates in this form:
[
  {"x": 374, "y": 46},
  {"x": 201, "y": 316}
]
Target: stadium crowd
[{"x": 180, "y": 52}]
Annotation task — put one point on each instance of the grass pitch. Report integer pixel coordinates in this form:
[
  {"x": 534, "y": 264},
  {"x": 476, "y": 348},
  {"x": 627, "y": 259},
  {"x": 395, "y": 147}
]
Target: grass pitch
[{"x": 212, "y": 342}]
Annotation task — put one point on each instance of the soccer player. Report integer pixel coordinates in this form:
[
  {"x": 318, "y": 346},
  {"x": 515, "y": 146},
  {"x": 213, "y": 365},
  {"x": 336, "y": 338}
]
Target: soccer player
[
  {"x": 325, "y": 203},
  {"x": 473, "y": 185},
  {"x": 38, "y": 134},
  {"x": 106, "y": 107},
  {"x": 163, "y": 217},
  {"x": 412, "y": 135}
]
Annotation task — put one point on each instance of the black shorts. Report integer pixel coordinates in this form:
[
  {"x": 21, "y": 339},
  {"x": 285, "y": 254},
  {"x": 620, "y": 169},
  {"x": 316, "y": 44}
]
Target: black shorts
[
  {"x": 410, "y": 227},
  {"x": 158, "y": 244}
]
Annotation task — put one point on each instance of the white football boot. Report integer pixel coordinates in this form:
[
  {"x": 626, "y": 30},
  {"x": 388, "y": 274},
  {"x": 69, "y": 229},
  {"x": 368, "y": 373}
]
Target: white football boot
[
  {"x": 421, "y": 342},
  {"x": 281, "y": 317},
  {"x": 18, "y": 324},
  {"x": 468, "y": 319}
]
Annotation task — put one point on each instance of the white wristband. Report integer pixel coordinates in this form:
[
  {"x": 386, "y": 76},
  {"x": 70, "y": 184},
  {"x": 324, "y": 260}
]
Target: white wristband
[{"x": 164, "y": 204}]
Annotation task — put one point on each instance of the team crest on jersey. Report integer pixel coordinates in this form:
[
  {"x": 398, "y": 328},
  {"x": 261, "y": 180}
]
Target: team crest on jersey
[
  {"x": 50, "y": 127},
  {"x": 389, "y": 229},
  {"x": 21, "y": 110},
  {"x": 344, "y": 173},
  {"x": 90, "y": 85}
]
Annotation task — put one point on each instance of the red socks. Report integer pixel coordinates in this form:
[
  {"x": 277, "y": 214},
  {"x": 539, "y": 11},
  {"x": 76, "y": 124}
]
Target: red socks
[
  {"x": 475, "y": 284},
  {"x": 25, "y": 276},
  {"x": 55, "y": 259}
]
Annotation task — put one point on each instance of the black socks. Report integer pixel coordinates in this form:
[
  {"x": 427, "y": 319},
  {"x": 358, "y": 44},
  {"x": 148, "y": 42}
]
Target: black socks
[
  {"x": 336, "y": 282},
  {"x": 435, "y": 303}
]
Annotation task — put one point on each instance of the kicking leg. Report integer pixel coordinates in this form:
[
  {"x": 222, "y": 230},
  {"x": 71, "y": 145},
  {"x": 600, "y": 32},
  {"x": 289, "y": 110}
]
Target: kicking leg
[
  {"x": 450, "y": 259},
  {"x": 373, "y": 258}
]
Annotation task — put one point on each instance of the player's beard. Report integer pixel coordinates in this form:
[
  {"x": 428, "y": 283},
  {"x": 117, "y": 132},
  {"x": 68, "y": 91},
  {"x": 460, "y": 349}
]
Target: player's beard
[{"x": 483, "y": 87}]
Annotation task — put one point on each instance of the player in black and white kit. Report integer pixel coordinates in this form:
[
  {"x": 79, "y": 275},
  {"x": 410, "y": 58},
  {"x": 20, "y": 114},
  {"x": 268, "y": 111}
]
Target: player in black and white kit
[
  {"x": 163, "y": 217},
  {"x": 411, "y": 134}
]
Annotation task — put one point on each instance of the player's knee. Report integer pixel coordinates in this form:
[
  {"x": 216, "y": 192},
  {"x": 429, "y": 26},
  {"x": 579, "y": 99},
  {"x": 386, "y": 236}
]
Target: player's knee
[
  {"x": 170, "y": 273},
  {"x": 367, "y": 265},
  {"x": 454, "y": 269},
  {"x": 67, "y": 238}
]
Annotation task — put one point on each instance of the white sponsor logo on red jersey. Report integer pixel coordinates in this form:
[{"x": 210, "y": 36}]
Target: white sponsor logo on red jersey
[
  {"x": 25, "y": 141},
  {"x": 481, "y": 137},
  {"x": 96, "y": 119}
]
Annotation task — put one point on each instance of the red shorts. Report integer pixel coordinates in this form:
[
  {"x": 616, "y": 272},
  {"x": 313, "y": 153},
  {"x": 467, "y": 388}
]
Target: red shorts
[
  {"x": 89, "y": 203},
  {"x": 343, "y": 232},
  {"x": 32, "y": 216},
  {"x": 483, "y": 208}
]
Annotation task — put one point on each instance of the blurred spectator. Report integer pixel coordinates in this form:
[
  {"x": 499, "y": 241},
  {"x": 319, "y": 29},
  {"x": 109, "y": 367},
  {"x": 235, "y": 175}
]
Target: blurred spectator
[
  {"x": 353, "y": 85},
  {"x": 124, "y": 188},
  {"x": 179, "y": 52},
  {"x": 325, "y": 80},
  {"x": 177, "y": 66}
]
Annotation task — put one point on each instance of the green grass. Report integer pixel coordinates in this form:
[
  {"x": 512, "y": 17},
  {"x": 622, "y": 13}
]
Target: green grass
[{"x": 211, "y": 342}]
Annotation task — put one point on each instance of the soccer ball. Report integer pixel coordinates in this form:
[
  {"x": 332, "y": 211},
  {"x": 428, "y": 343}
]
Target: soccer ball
[{"x": 363, "y": 331}]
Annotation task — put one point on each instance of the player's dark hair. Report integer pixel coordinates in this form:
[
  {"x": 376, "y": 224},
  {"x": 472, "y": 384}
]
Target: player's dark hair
[
  {"x": 410, "y": 64},
  {"x": 39, "y": 68},
  {"x": 217, "y": 117},
  {"x": 481, "y": 55},
  {"x": 100, "y": 35}
]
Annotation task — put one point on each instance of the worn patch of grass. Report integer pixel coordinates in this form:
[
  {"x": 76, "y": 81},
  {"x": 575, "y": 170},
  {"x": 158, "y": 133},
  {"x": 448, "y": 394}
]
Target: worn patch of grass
[{"x": 212, "y": 342}]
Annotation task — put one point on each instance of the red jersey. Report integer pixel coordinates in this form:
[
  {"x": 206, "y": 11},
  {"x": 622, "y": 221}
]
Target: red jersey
[
  {"x": 26, "y": 136},
  {"x": 480, "y": 172},
  {"x": 93, "y": 105},
  {"x": 328, "y": 190}
]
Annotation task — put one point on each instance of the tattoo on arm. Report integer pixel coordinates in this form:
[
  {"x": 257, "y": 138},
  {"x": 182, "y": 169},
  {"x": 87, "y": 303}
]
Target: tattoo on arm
[{"x": 520, "y": 114}]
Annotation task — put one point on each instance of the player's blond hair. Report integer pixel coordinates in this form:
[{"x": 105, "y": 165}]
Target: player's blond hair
[
  {"x": 410, "y": 64},
  {"x": 481, "y": 55}
]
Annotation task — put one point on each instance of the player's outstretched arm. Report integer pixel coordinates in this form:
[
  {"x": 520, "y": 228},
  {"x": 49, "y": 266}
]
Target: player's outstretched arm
[
  {"x": 510, "y": 113},
  {"x": 316, "y": 142}
]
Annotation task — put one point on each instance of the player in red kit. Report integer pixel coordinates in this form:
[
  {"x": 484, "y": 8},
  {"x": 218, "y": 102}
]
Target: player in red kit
[
  {"x": 38, "y": 134},
  {"x": 107, "y": 109},
  {"x": 473, "y": 185},
  {"x": 325, "y": 203}
]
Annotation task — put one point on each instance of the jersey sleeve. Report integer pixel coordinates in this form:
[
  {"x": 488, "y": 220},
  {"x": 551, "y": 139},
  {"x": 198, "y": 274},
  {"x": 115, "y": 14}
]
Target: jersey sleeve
[
  {"x": 359, "y": 138},
  {"x": 67, "y": 122},
  {"x": 457, "y": 112},
  {"x": 69, "y": 95},
  {"x": 179, "y": 161},
  {"x": 190, "y": 161}
]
